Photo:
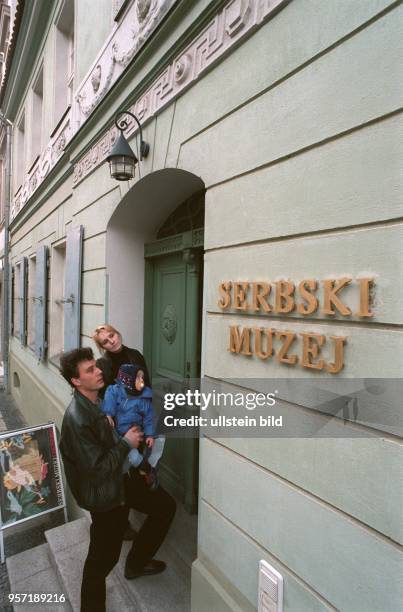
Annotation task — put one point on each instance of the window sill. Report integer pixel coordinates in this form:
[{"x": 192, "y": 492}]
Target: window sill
[
  {"x": 55, "y": 359},
  {"x": 33, "y": 163},
  {"x": 121, "y": 10},
  {"x": 64, "y": 114}
]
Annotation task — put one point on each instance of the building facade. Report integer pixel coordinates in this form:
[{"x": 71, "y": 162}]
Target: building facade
[{"x": 260, "y": 240}]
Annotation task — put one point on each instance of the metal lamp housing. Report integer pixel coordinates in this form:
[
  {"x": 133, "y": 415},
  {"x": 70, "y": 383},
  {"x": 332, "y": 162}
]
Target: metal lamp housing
[{"x": 122, "y": 160}]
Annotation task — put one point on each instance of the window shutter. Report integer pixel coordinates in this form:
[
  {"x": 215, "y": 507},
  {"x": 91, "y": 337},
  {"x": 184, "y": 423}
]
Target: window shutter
[
  {"x": 11, "y": 300},
  {"x": 40, "y": 298},
  {"x": 22, "y": 307},
  {"x": 72, "y": 284}
]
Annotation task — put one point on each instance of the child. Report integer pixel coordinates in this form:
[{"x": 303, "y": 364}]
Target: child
[{"x": 128, "y": 403}]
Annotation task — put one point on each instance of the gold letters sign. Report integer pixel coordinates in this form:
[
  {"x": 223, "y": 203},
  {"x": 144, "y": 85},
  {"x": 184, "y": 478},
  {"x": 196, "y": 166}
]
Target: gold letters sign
[{"x": 285, "y": 297}]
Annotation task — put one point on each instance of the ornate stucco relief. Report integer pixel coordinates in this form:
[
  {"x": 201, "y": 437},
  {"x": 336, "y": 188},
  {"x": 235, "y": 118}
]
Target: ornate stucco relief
[
  {"x": 140, "y": 21},
  {"x": 237, "y": 19}
]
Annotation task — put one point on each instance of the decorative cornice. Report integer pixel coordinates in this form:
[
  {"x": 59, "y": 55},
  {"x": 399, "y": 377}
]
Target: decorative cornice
[
  {"x": 234, "y": 22},
  {"x": 14, "y": 30},
  {"x": 125, "y": 41}
]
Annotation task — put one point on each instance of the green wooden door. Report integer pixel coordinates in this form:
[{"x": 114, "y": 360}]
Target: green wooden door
[{"x": 172, "y": 347}]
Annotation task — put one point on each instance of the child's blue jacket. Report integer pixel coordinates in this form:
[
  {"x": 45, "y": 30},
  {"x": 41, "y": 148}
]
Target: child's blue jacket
[{"x": 129, "y": 410}]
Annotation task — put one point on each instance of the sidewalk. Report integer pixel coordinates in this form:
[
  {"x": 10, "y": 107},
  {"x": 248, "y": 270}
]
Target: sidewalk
[{"x": 27, "y": 535}]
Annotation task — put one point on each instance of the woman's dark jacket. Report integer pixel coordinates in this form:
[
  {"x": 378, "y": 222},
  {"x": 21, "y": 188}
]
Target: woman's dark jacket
[
  {"x": 93, "y": 455},
  {"x": 111, "y": 362}
]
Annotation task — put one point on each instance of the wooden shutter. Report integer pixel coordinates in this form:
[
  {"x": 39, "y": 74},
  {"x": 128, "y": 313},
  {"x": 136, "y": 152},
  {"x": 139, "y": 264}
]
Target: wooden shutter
[
  {"x": 40, "y": 298},
  {"x": 72, "y": 288},
  {"x": 11, "y": 300},
  {"x": 22, "y": 307}
]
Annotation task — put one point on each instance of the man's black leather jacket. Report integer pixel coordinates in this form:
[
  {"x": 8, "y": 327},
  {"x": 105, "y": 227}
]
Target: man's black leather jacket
[{"x": 93, "y": 455}]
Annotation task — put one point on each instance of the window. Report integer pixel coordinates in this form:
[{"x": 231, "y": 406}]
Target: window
[
  {"x": 3, "y": 157},
  {"x": 37, "y": 117},
  {"x": 23, "y": 300},
  {"x": 64, "y": 66},
  {"x": 56, "y": 311},
  {"x": 31, "y": 302},
  {"x": 41, "y": 302},
  {"x": 2, "y": 188},
  {"x": 65, "y": 295},
  {"x": 16, "y": 300},
  {"x": 70, "y": 68},
  {"x": 20, "y": 153},
  {"x": 11, "y": 271}
]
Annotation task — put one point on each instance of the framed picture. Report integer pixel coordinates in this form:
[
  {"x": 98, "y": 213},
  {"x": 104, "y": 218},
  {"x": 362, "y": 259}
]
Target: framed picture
[{"x": 30, "y": 474}]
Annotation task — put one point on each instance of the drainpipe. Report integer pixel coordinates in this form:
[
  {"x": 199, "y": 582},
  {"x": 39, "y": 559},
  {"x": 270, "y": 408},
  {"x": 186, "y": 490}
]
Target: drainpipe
[{"x": 5, "y": 332}]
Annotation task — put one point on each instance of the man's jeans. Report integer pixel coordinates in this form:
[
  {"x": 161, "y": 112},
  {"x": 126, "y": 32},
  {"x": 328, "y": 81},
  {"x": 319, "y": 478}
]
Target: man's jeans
[{"x": 106, "y": 535}]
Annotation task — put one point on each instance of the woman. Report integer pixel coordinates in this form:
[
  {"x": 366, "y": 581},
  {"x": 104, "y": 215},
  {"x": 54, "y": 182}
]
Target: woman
[{"x": 109, "y": 341}]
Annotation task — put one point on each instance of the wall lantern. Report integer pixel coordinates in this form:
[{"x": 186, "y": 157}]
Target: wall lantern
[{"x": 122, "y": 160}]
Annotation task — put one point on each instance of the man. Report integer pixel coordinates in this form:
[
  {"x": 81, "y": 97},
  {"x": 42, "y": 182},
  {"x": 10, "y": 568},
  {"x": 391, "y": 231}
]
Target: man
[{"x": 93, "y": 456}]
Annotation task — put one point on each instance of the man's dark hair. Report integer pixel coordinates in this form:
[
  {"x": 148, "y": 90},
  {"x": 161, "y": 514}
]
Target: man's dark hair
[{"x": 69, "y": 362}]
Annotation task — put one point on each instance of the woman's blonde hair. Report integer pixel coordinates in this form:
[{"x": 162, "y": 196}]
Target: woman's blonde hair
[{"x": 104, "y": 328}]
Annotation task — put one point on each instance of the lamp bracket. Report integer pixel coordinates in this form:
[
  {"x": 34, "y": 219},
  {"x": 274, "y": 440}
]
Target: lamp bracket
[{"x": 122, "y": 124}]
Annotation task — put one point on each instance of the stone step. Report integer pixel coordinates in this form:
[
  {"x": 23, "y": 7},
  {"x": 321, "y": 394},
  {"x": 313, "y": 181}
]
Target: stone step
[
  {"x": 181, "y": 538},
  {"x": 167, "y": 591},
  {"x": 170, "y": 590},
  {"x": 68, "y": 546},
  {"x": 32, "y": 572}
]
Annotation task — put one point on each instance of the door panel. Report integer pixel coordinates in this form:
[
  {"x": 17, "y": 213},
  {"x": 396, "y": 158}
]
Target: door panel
[
  {"x": 174, "y": 324},
  {"x": 169, "y": 317}
]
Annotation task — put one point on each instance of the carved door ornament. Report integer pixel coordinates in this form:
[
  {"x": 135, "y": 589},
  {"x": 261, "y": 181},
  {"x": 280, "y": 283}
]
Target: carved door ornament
[{"x": 169, "y": 323}]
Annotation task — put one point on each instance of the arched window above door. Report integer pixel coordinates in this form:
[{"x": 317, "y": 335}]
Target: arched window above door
[{"x": 189, "y": 215}]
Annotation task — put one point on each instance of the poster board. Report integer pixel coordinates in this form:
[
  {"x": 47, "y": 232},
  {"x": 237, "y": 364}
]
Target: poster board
[{"x": 30, "y": 476}]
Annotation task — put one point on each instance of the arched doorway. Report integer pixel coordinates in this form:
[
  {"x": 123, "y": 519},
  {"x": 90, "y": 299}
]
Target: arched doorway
[{"x": 155, "y": 269}]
